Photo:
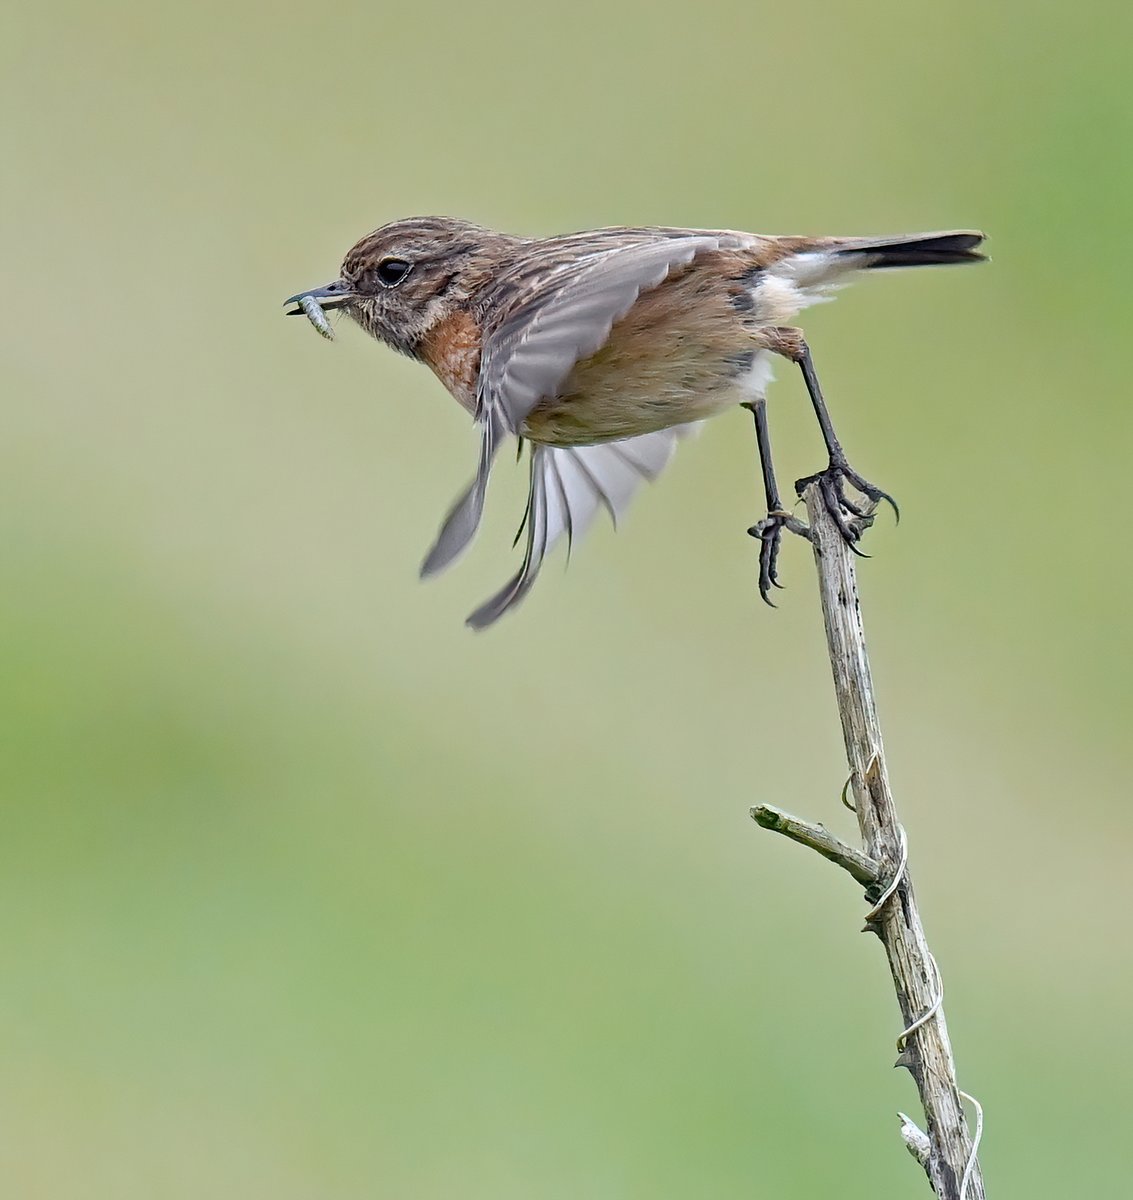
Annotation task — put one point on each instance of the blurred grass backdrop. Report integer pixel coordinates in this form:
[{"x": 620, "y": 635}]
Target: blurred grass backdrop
[{"x": 308, "y": 892}]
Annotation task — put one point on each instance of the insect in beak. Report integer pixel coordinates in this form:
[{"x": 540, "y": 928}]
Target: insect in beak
[{"x": 314, "y": 302}]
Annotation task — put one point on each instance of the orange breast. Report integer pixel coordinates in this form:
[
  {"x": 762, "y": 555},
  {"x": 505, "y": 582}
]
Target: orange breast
[{"x": 452, "y": 349}]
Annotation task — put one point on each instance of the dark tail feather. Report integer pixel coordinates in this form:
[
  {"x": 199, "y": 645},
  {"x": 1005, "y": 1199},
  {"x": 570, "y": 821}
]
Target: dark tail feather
[{"x": 916, "y": 250}]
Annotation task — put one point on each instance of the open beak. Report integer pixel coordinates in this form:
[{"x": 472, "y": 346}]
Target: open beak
[{"x": 331, "y": 295}]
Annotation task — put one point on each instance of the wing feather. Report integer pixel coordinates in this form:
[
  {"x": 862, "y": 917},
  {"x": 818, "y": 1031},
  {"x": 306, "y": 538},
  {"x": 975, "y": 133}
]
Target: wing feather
[
  {"x": 463, "y": 519},
  {"x": 521, "y": 582},
  {"x": 568, "y": 487}
]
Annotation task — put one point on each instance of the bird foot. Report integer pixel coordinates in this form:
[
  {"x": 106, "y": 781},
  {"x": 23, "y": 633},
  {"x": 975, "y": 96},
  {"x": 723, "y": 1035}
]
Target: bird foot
[
  {"x": 769, "y": 531},
  {"x": 851, "y": 518}
]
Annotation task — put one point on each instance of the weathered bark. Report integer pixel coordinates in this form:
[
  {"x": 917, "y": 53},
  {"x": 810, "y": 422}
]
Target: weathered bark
[{"x": 948, "y": 1155}]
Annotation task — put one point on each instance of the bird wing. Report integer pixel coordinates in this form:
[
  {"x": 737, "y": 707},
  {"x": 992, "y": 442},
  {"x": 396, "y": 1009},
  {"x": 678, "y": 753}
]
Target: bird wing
[
  {"x": 553, "y": 321},
  {"x": 569, "y": 484},
  {"x": 533, "y": 345}
]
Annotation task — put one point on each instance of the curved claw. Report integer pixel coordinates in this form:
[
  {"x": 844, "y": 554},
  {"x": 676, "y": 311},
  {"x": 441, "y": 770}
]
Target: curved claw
[
  {"x": 768, "y": 553},
  {"x": 871, "y": 490}
]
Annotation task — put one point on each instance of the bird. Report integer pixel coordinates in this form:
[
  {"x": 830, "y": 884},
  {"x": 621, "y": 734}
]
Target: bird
[{"x": 602, "y": 350}]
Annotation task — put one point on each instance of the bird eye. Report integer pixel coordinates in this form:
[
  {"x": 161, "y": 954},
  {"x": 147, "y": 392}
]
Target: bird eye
[{"x": 392, "y": 271}]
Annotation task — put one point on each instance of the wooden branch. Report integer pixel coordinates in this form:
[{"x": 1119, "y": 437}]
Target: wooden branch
[
  {"x": 863, "y": 868},
  {"x": 945, "y": 1149}
]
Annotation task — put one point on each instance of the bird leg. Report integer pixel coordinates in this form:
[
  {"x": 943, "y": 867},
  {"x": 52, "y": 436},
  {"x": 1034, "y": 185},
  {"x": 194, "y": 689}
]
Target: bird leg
[
  {"x": 769, "y": 531},
  {"x": 851, "y": 519}
]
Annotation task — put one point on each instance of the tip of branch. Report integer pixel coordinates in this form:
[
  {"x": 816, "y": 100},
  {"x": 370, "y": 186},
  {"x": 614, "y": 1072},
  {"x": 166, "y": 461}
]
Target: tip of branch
[{"x": 916, "y": 1140}]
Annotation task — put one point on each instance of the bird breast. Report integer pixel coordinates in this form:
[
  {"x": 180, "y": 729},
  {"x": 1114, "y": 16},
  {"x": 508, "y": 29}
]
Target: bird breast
[{"x": 451, "y": 349}]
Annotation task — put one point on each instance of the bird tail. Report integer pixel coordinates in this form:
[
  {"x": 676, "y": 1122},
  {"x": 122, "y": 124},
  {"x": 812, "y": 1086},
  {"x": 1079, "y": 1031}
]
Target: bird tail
[
  {"x": 816, "y": 266},
  {"x": 912, "y": 250}
]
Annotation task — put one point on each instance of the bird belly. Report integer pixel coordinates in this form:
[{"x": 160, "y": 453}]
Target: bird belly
[{"x": 607, "y": 405}]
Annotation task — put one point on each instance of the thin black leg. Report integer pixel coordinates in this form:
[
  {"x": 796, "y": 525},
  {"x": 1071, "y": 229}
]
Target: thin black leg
[
  {"x": 769, "y": 531},
  {"x": 848, "y": 515},
  {"x": 763, "y": 440},
  {"x": 814, "y": 390}
]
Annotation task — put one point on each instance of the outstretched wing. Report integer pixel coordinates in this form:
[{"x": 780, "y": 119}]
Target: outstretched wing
[
  {"x": 569, "y": 484},
  {"x": 459, "y": 527},
  {"x": 532, "y": 345}
]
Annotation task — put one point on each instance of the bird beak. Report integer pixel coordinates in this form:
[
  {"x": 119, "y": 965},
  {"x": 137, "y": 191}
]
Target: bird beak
[{"x": 331, "y": 295}]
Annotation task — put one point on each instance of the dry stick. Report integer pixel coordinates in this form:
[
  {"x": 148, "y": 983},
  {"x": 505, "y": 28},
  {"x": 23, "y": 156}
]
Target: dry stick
[{"x": 947, "y": 1153}]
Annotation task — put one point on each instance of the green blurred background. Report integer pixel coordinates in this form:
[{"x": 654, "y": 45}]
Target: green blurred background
[{"x": 307, "y": 891}]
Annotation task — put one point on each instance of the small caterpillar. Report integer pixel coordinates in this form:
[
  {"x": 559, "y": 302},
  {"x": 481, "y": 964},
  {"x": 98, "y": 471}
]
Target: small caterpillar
[{"x": 316, "y": 316}]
